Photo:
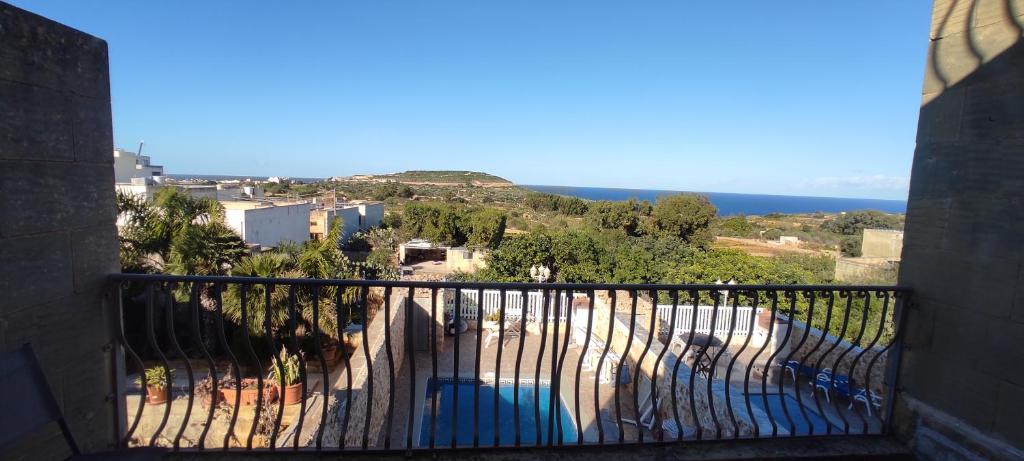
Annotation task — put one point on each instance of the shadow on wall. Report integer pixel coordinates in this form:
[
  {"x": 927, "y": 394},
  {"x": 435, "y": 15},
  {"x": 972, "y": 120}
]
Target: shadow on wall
[{"x": 963, "y": 249}]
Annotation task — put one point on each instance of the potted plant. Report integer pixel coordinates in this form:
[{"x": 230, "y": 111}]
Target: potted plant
[
  {"x": 491, "y": 321},
  {"x": 250, "y": 391},
  {"x": 156, "y": 380},
  {"x": 289, "y": 371}
]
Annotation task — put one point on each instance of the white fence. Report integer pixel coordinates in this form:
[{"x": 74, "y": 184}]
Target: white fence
[
  {"x": 469, "y": 304},
  {"x": 684, "y": 319}
]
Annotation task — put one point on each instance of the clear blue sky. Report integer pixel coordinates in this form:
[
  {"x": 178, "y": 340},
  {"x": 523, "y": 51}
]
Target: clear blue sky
[{"x": 785, "y": 97}]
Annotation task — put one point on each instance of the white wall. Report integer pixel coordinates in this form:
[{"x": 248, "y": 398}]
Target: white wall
[
  {"x": 373, "y": 214},
  {"x": 125, "y": 168},
  {"x": 270, "y": 226},
  {"x": 350, "y": 216}
]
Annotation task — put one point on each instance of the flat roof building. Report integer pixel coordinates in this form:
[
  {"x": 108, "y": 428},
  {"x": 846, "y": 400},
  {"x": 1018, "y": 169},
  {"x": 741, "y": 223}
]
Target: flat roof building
[{"x": 268, "y": 224}]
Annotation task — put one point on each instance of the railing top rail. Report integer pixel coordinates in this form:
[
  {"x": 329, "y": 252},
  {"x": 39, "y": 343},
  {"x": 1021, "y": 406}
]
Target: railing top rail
[{"x": 124, "y": 277}]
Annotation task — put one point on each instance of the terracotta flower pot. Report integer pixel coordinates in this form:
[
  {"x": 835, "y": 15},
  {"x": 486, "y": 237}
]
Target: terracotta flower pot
[
  {"x": 156, "y": 395},
  {"x": 250, "y": 393},
  {"x": 292, "y": 394}
]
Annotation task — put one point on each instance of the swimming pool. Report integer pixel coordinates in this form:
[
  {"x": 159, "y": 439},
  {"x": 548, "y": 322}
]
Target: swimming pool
[
  {"x": 445, "y": 389},
  {"x": 818, "y": 422}
]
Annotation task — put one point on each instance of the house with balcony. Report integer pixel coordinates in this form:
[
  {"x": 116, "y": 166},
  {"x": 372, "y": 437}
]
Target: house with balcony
[{"x": 409, "y": 369}]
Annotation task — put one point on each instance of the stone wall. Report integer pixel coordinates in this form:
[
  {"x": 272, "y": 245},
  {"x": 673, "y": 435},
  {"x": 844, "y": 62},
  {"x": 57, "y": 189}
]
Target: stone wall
[
  {"x": 825, "y": 356},
  {"x": 395, "y": 325},
  {"x": 963, "y": 253},
  {"x": 58, "y": 241},
  {"x": 665, "y": 368}
]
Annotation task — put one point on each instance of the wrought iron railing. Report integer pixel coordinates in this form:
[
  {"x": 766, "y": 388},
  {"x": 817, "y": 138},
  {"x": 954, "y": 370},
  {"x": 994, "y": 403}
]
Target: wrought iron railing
[{"x": 369, "y": 365}]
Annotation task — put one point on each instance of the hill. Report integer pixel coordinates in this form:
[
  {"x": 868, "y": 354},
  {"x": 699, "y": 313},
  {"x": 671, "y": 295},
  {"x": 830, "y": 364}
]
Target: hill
[{"x": 447, "y": 177}]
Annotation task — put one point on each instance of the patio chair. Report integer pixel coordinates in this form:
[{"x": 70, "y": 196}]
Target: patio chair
[
  {"x": 512, "y": 330},
  {"x": 840, "y": 383},
  {"x": 29, "y": 406},
  {"x": 868, "y": 398},
  {"x": 793, "y": 367}
]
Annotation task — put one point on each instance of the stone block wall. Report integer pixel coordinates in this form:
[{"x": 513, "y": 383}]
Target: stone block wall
[
  {"x": 844, "y": 358},
  {"x": 395, "y": 323},
  {"x": 963, "y": 253},
  {"x": 665, "y": 369},
  {"x": 58, "y": 241}
]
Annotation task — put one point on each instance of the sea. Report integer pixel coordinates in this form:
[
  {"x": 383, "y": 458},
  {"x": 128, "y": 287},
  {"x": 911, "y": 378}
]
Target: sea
[{"x": 729, "y": 204}]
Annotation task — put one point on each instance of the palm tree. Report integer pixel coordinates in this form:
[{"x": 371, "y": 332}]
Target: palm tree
[
  {"x": 182, "y": 235},
  {"x": 265, "y": 265}
]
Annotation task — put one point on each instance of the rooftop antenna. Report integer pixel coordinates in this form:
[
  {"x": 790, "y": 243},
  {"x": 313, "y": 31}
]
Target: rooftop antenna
[{"x": 138, "y": 155}]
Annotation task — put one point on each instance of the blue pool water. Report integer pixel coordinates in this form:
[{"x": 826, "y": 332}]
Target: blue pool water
[
  {"x": 506, "y": 419},
  {"x": 818, "y": 423}
]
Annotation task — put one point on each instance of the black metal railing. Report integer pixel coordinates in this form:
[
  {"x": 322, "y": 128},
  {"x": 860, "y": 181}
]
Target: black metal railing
[{"x": 250, "y": 363}]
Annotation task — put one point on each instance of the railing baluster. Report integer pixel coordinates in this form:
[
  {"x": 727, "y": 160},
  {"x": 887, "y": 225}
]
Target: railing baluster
[
  {"x": 824, "y": 357},
  {"x": 755, "y": 301},
  {"x": 540, "y": 359},
  {"x": 892, "y": 359},
  {"x": 623, "y": 360},
  {"x": 123, "y": 442},
  {"x": 172, "y": 338},
  {"x": 339, "y": 300},
  {"x": 803, "y": 339},
  {"x": 817, "y": 362},
  {"x": 268, "y": 315},
  {"x": 733, "y": 319},
  {"x": 218, "y": 304},
  {"x": 792, "y": 295},
  {"x": 293, "y": 320},
  {"x": 864, "y": 350},
  {"x": 151, "y": 338},
  {"x": 879, "y": 353},
  {"x": 476, "y": 367},
  {"x": 716, "y": 296},
  {"x": 243, "y": 295},
  {"x": 657, "y": 361},
  {"x": 767, "y": 368},
  {"x": 457, "y": 325},
  {"x": 524, "y": 301},
  {"x": 853, "y": 344},
  {"x": 200, "y": 343},
  {"x": 600, "y": 365},
  {"x": 363, "y": 300},
  {"x": 579, "y": 370},
  {"x": 410, "y": 352},
  {"x": 388, "y": 425},
  {"x": 651, "y": 332},
  {"x": 699, "y": 430},
  {"x": 679, "y": 360},
  {"x": 497, "y": 367},
  {"x": 556, "y": 393},
  {"x": 433, "y": 364},
  {"x": 325, "y": 373}
]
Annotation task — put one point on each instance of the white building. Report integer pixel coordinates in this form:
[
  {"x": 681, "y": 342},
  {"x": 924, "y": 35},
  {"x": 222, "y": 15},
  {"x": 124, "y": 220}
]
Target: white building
[
  {"x": 355, "y": 216},
  {"x": 129, "y": 165},
  {"x": 268, "y": 224}
]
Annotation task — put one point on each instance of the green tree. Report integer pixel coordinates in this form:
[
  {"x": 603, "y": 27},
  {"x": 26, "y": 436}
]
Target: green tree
[
  {"x": 619, "y": 215},
  {"x": 385, "y": 191},
  {"x": 404, "y": 191},
  {"x": 851, "y": 245},
  {"x": 486, "y": 228},
  {"x": 685, "y": 216},
  {"x": 854, "y": 222},
  {"x": 736, "y": 226}
]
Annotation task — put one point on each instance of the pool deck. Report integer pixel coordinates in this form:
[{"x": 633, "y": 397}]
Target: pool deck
[{"x": 489, "y": 370}]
